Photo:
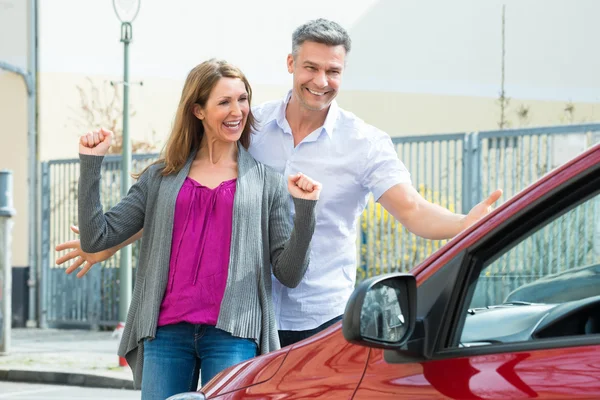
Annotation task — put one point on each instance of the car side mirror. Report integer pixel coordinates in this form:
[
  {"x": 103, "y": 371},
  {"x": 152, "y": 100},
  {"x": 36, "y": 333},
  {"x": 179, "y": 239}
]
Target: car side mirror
[{"x": 381, "y": 312}]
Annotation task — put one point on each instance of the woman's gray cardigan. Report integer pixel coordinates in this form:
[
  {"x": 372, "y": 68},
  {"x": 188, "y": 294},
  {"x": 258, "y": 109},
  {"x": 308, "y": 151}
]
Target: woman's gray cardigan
[{"x": 262, "y": 236}]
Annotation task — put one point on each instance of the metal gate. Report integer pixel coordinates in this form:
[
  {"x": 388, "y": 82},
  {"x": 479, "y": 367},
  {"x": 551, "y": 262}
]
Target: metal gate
[{"x": 67, "y": 301}]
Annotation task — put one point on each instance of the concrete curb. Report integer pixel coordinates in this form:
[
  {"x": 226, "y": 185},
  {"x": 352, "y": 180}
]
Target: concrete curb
[{"x": 64, "y": 378}]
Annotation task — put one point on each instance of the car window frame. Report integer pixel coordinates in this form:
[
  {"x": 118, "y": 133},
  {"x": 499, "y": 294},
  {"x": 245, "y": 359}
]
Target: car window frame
[{"x": 493, "y": 245}]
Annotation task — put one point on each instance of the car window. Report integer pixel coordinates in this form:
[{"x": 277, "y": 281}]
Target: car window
[{"x": 548, "y": 285}]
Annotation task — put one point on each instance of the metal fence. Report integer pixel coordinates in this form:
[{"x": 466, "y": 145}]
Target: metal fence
[
  {"x": 457, "y": 171},
  {"x": 453, "y": 170},
  {"x": 437, "y": 166},
  {"x": 65, "y": 300}
]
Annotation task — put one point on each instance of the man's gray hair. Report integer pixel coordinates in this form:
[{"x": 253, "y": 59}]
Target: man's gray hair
[{"x": 321, "y": 31}]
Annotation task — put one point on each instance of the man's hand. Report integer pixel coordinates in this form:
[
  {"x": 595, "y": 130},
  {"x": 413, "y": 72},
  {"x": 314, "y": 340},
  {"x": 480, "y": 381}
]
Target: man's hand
[
  {"x": 301, "y": 186},
  {"x": 95, "y": 143},
  {"x": 482, "y": 209},
  {"x": 80, "y": 256}
]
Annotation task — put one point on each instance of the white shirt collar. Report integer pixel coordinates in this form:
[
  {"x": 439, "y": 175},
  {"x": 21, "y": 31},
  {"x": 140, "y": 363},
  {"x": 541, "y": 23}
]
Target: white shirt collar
[{"x": 278, "y": 115}]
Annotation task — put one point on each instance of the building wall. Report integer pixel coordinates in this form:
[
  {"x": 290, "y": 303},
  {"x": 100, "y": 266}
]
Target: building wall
[
  {"x": 13, "y": 156},
  {"x": 398, "y": 114},
  {"x": 402, "y": 114},
  {"x": 13, "y": 117}
]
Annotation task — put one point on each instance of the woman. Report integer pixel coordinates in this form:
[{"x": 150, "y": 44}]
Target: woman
[{"x": 214, "y": 222}]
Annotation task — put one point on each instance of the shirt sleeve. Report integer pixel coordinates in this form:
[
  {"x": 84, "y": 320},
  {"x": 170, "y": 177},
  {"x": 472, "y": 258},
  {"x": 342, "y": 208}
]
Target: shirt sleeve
[{"x": 382, "y": 168}]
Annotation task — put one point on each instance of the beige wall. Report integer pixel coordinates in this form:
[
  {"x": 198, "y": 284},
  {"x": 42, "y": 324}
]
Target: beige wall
[
  {"x": 62, "y": 120},
  {"x": 398, "y": 114},
  {"x": 401, "y": 114},
  {"x": 13, "y": 156},
  {"x": 13, "y": 117}
]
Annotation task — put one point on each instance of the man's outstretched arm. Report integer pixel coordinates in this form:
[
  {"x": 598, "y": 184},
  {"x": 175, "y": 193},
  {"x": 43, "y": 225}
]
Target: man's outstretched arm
[{"x": 429, "y": 220}]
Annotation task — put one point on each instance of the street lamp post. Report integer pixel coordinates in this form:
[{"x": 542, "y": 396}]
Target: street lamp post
[{"x": 126, "y": 11}]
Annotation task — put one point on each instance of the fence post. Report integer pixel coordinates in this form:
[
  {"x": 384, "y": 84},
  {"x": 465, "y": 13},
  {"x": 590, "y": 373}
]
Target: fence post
[
  {"x": 466, "y": 175},
  {"x": 475, "y": 182},
  {"x": 471, "y": 176},
  {"x": 45, "y": 246},
  {"x": 6, "y": 213}
]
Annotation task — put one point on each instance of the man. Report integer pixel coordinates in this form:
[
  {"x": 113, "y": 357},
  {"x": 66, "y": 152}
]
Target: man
[{"x": 307, "y": 131}]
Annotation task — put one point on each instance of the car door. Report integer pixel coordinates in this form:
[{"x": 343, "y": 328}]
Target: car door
[{"x": 478, "y": 336}]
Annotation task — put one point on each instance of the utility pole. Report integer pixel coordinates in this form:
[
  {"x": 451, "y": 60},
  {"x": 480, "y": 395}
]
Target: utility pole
[
  {"x": 503, "y": 99},
  {"x": 126, "y": 11}
]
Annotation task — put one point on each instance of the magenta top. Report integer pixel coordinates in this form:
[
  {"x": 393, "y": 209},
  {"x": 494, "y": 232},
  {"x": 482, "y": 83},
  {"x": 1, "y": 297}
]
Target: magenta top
[{"x": 199, "y": 254}]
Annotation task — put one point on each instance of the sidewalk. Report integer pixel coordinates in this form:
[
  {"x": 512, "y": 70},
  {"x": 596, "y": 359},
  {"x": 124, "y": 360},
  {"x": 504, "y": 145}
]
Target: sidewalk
[{"x": 68, "y": 357}]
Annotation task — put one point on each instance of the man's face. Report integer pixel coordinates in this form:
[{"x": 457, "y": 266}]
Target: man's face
[{"x": 317, "y": 70}]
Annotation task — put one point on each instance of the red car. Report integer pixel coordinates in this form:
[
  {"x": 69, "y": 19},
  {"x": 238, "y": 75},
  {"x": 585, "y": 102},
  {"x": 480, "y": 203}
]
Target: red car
[{"x": 503, "y": 311}]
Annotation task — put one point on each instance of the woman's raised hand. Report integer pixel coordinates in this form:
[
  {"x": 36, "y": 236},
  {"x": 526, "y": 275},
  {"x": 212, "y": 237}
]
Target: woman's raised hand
[
  {"x": 301, "y": 186},
  {"x": 95, "y": 143}
]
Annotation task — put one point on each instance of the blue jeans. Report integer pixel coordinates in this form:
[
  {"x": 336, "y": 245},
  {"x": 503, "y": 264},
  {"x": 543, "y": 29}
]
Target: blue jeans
[{"x": 177, "y": 356}]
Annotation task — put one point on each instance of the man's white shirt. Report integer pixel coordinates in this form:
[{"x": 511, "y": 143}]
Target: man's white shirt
[{"x": 351, "y": 159}]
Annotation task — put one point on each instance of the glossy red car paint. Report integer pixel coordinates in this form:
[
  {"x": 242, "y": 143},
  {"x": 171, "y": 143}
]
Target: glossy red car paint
[
  {"x": 566, "y": 374},
  {"x": 323, "y": 366},
  {"x": 327, "y": 367}
]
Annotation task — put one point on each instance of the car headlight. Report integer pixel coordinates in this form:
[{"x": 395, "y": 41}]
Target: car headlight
[{"x": 188, "y": 396}]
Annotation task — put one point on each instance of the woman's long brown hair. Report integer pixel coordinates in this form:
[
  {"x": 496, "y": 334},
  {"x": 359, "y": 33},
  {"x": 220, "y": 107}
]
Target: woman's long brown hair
[{"x": 188, "y": 130}]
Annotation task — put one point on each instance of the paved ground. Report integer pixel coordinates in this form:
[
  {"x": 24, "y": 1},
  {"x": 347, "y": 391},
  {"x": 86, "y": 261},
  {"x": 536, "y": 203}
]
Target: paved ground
[
  {"x": 28, "y": 391},
  {"x": 79, "y": 357}
]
